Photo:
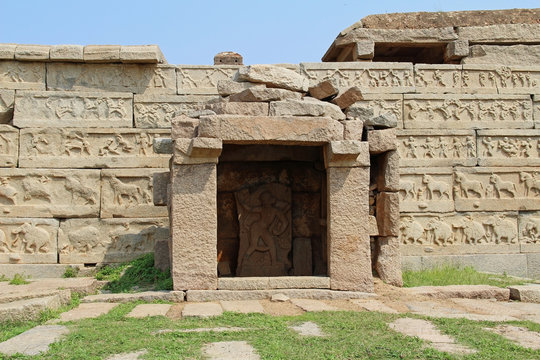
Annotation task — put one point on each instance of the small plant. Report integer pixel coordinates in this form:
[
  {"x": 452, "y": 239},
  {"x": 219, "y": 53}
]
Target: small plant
[
  {"x": 18, "y": 279},
  {"x": 3, "y": 278},
  {"x": 70, "y": 272}
]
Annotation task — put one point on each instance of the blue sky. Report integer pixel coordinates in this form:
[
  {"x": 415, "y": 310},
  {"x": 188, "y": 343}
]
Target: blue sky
[{"x": 192, "y": 32}]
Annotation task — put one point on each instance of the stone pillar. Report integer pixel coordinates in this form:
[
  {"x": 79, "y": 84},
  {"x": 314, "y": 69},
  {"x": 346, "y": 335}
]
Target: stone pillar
[{"x": 349, "y": 258}]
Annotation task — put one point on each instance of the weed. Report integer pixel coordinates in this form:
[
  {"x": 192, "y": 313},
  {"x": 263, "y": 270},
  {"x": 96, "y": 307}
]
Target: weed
[
  {"x": 18, "y": 279},
  {"x": 3, "y": 277},
  {"x": 70, "y": 272}
]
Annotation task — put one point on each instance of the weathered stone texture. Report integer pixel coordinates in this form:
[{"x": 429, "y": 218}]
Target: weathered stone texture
[
  {"x": 253, "y": 94},
  {"x": 9, "y": 146},
  {"x": 240, "y": 108},
  {"x": 508, "y": 55},
  {"x": 426, "y": 189},
  {"x": 22, "y": 75},
  {"x": 375, "y": 105},
  {"x": 150, "y": 54},
  {"x": 7, "y": 51},
  {"x": 32, "y": 52},
  {"x": 323, "y": 90},
  {"x": 305, "y": 108},
  {"x": 508, "y": 148},
  {"x": 7, "y": 98},
  {"x": 67, "y": 53},
  {"x": 229, "y": 87},
  {"x": 273, "y": 76},
  {"x": 501, "y": 34},
  {"x": 202, "y": 79},
  {"x": 388, "y": 213},
  {"x": 382, "y": 141},
  {"x": 388, "y": 264},
  {"x": 438, "y": 78},
  {"x": 501, "y": 79}
]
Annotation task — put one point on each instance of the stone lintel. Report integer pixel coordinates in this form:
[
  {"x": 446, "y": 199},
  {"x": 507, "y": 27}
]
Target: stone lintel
[
  {"x": 183, "y": 148},
  {"x": 347, "y": 153},
  {"x": 455, "y": 50},
  {"x": 69, "y": 53},
  {"x": 398, "y": 36},
  {"x": 382, "y": 140}
]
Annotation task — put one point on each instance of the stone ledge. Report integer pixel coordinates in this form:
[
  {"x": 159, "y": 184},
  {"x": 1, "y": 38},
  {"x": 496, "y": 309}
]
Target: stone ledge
[
  {"x": 462, "y": 291},
  {"x": 174, "y": 296},
  {"x": 319, "y": 294},
  {"x": 267, "y": 283},
  {"x": 525, "y": 293}
]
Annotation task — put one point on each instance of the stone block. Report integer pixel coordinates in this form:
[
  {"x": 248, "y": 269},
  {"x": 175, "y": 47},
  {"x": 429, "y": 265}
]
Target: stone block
[
  {"x": 387, "y": 213},
  {"x": 163, "y": 146},
  {"x": 439, "y": 78},
  {"x": 159, "y": 187},
  {"x": 348, "y": 97},
  {"x": 363, "y": 50},
  {"x": 109, "y": 240},
  {"x": 229, "y": 87},
  {"x": 507, "y": 55},
  {"x": 501, "y": 34},
  {"x": 348, "y": 232},
  {"x": 460, "y": 233},
  {"x": 69, "y": 109},
  {"x": 32, "y": 52},
  {"x": 131, "y": 78},
  {"x": 426, "y": 189},
  {"x": 347, "y": 153},
  {"x": 7, "y": 51},
  {"x": 312, "y": 107},
  {"x": 353, "y": 129},
  {"x": 375, "y": 105},
  {"x": 399, "y": 36},
  {"x": 273, "y": 76},
  {"x": 202, "y": 310},
  {"x": 146, "y": 310},
  {"x": 428, "y": 111},
  {"x": 141, "y": 54},
  {"x": 369, "y": 77},
  {"x": 87, "y": 311},
  {"x": 49, "y": 193},
  {"x": 243, "y": 306},
  {"x": 302, "y": 257},
  {"x": 280, "y": 282},
  {"x": 456, "y": 50},
  {"x": 319, "y": 294},
  {"x": 324, "y": 90},
  {"x": 240, "y": 108},
  {"x": 508, "y": 148},
  {"x": 382, "y": 140},
  {"x": 147, "y": 296},
  {"x": 528, "y": 223},
  {"x": 184, "y": 127},
  {"x": 433, "y": 147},
  {"x": 256, "y": 94},
  {"x": 183, "y": 149},
  {"x": 9, "y": 145},
  {"x": 128, "y": 193},
  {"x": 501, "y": 79},
  {"x": 101, "y": 53},
  {"x": 202, "y": 79},
  {"x": 533, "y": 266},
  {"x": 158, "y": 111},
  {"x": 525, "y": 293},
  {"x": 193, "y": 216},
  {"x": 271, "y": 130},
  {"x": 91, "y": 148},
  {"x": 388, "y": 264},
  {"x": 34, "y": 341},
  {"x": 16, "y": 75},
  {"x": 162, "y": 259},
  {"x": 30, "y": 241},
  {"x": 68, "y": 53},
  {"x": 383, "y": 121},
  {"x": 33, "y": 271},
  {"x": 201, "y": 147},
  {"x": 387, "y": 171},
  {"x": 373, "y": 227}
]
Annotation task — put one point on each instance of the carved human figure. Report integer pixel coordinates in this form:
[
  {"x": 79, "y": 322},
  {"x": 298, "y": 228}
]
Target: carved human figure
[
  {"x": 4, "y": 246},
  {"x": 411, "y": 146},
  {"x": 116, "y": 107},
  {"x": 110, "y": 147},
  {"x": 471, "y": 147},
  {"x": 430, "y": 147},
  {"x": 5, "y": 146},
  {"x": 490, "y": 146},
  {"x": 465, "y": 79},
  {"x": 457, "y": 145},
  {"x": 123, "y": 144},
  {"x": 7, "y": 191},
  {"x": 438, "y": 79},
  {"x": 159, "y": 78},
  {"x": 482, "y": 79},
  {"x": 144, "y": 141},
  {"x": 531, "y": 230},
  {"x": 527, "y": 148},
  {"x": 508, "y": 147},
  {"x": 76, "y": 141}
]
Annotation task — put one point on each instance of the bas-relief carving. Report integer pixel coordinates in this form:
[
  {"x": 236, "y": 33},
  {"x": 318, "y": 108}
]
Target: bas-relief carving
[
  {"x": 436, "y": 148},
  {"x": 7, "y": 98},
  {"x": 502, "y": 79},
  {"x": 9, "y": 146},
  {"x": 202, "y": 79},
  {"x": 496, "y": 188},
  {"x": 78, "y": 148},
  {"x": 509, "y": 148},
  {"x": 380, "y": 104},
  {"x": 46, "y": 109},
  {"x": 464, "y": 112},
  {"x": 529, "y": 231},
  {"x": 22, "y": 75},
  {"x": 49, "y": 193},
  {"x": 459, "y": 233},
  {"x": 129, "y": 193},
  {"x": 425, "y": 191},
  {"x": 28, "y": 240},
  {"x": 112, "y": 77},
  {"x": 109, "y": 240},
  {"x": 429, "y": 78},
  {"x": 264, "y": 215}
]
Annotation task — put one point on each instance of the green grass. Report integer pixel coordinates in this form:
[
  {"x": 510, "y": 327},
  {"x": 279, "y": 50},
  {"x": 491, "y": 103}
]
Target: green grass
[
  {"x": 136, "y": 275},
  {"x": 452, "y": 275},
  {"x": 70, "y": 272},
  {"x": 349, "y": 335},
  {"x": 18, "y": 279},
  {"x": 3, "y": 277}
]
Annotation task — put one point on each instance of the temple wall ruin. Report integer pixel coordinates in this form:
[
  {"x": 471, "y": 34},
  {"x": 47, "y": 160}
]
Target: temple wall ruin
[{"x": 77, "y": 160}]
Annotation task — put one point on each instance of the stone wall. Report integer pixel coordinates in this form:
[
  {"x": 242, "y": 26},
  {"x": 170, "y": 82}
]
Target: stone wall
[{"x": 77, "y": 157}]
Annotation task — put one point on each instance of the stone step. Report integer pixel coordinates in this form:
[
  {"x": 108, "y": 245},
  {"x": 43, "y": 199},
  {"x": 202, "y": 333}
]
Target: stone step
[
  {"x": 279, "y": 282},
  {"x": 173, "y": 296},
  {"x": 29, "y": 309},
  {"x": 86, "y": 311},
  {"x": 321, "y": 294},
  {"x": 462, "y": 291},
  {"x": 65, "y": 295},
  {"x": 525, "y": 293}
]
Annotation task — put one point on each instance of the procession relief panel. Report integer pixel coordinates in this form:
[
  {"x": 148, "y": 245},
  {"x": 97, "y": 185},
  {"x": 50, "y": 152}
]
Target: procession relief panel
[
  {"x": 200, "y": 79},
  {"x": 509, "y": 148},
  {"x": 153, "y": 111},
  {"x": 129, "y": 193},
  {"x": 467, "y": 111},
  {"x": 380, "y": 104},
  {"x": 9, "y": 146},
  {"x": 28, "y": 241},
  {"x": 49, "y": 193},
  {"x": 459, "y": 233},
  {"x": 7, "y": 98},
  {"x": 112, "y": 77},
  {"x": 501, "y": 79},
  {"x": 529, "y": 231},
  {"x": 109, "y": 240},
  {"x": 22, "y": 75},
  {"x": 76, "y": 109},
  {"x": 426, "y": 189},
  {"x": 90, "y": 148},
  {"x": 370, "y": 77},
  {"x": 438, "y": 78},
  {"x": 496, "y": 188},
  {"x": 429, "y": 147}
]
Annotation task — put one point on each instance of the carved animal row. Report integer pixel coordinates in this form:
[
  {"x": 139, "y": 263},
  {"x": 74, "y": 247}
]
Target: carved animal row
[
  {"x": 370, "y": 77},
  {"x": 433, "y": 147},
  {"x": 27, "y": 238},
  {"x": 466, "y": 230},
  {"x": 115, "y": 76},
  {"x": 87, "y": 108}
]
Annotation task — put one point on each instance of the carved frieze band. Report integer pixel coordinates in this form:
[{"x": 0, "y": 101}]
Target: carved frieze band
[
  {"x": 201, "y": 79},
  {"x": 22, "y": 75},
  {"x": 28, "y": 241}
]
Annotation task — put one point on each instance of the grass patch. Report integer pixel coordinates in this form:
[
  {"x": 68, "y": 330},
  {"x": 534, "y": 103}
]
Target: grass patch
[
  {"x": 18, "y": 279},
  {"x": 453, "y": 275},
  {"x": 3, "y": 277},
  {"x": 70, "y": 272},
  {"x": 136, "y": 275}
]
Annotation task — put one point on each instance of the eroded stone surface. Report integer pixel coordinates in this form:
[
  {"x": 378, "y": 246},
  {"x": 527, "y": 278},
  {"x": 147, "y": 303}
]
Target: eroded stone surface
[
  {"x": 7, "y": 98},
  {"x": 374, "y": 305},
  {"x": 202, "y": 79},
  {"x": 230, "y": 350},
  {"x": 522, "y": 336},
  {"x": 203, "y": 310},
  {"x": 144, "y": 310},
  {"x": 9, "y": 144},
  {"x": 34, "y": 341},
  {"x": 87, "y": 311},
  {"x": 17, "y": 75},
  {"x": 313, "y": 305},
  {"x": 243, "y": 306},
  {"x": 273, "y": 76}
]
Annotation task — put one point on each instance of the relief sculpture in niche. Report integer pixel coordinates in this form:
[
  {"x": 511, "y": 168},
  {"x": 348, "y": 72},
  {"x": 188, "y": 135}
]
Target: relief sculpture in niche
[{"x": 264, "y": 215}]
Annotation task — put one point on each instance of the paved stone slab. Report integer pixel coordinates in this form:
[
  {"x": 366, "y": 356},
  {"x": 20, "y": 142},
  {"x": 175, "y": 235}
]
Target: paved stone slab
[
  {"x": 144, "y": 310},
  {"x": 426, "y": 331},
  {"x": 230, "y": 350},
  {"x": 462, "y": 291},
  {"x": 29, "y": 309},
  {"x": 135, "y": 355},
  {"x": 201, "y": 330},
  {"x": 522, "y": 336},
  {"x": 308, "y": 328},
  {"x": 33, "y": 341},
  {"x": 313, "y": 305},
  {"x": 433, "y": 309},
  {"x": 281, "y": 282},
  {"x": 174, "y": 296},
  {"x": 203, "y": 310},
  {"x": 244, "y": 307},
  {"x": 526, "y": 293},
  {"x": 374, "y": 305},
  {"x": 87, "y": 311}
]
